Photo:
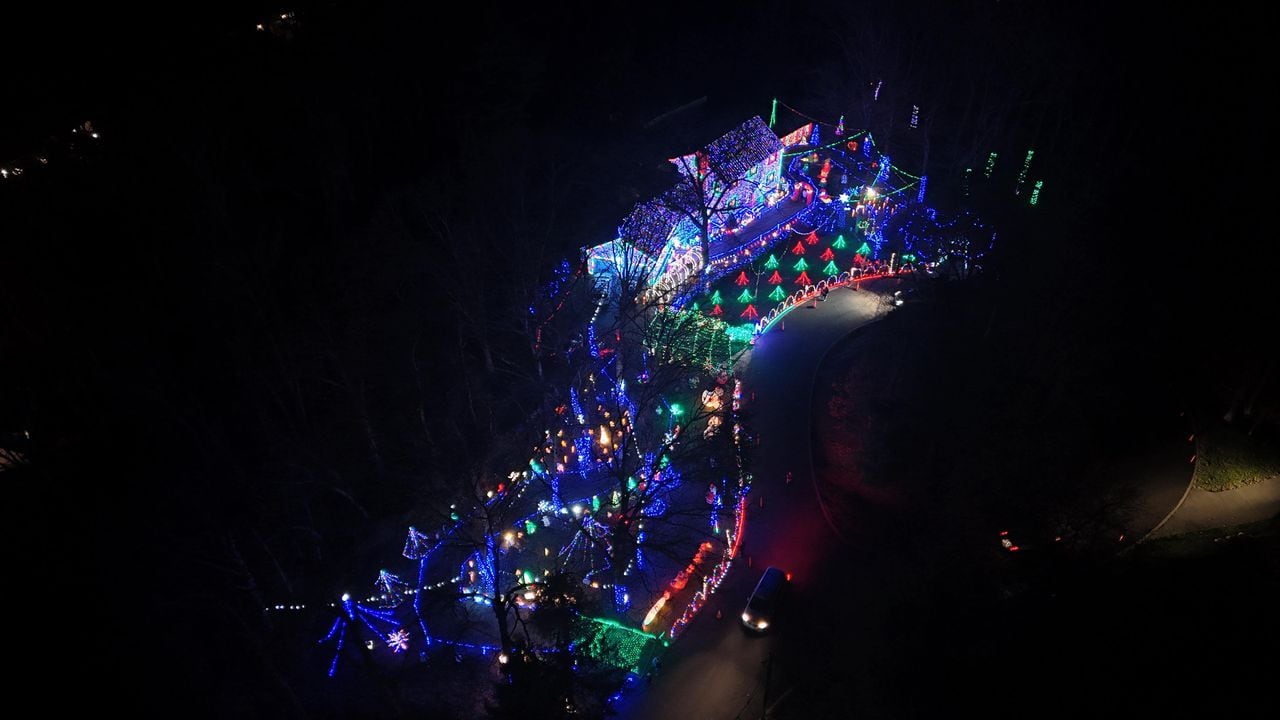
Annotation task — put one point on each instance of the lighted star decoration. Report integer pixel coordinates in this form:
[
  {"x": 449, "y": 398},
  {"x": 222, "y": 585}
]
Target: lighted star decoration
[
  {"x": 398, "y": 640},
  {"x": 844, "y": 197}
]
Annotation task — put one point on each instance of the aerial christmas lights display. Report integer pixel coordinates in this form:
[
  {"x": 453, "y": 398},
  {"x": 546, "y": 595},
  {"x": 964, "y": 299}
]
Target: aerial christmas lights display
[{"x": 594, "y": 427}]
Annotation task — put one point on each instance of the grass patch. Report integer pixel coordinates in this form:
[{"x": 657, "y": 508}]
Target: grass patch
[{"x": 1228, "y": 458}]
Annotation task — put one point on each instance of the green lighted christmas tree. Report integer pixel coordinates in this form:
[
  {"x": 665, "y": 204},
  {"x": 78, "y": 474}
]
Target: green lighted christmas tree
[
  {"x": 771, "y": 263},
  {"x": 831, "y": 268},
  {"x": 839, "y": 244},
  {"x": 801, "y": 265},
  {"x": 865, "y": 250},
  {"x": 715, "y": 298},
  {"x": 746, "y": 296},
  {"x": 778, "y": 295}
]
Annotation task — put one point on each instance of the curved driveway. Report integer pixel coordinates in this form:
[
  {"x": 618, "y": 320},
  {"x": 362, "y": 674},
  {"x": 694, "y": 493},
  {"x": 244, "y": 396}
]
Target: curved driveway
[{"x": 716, "y": 670}]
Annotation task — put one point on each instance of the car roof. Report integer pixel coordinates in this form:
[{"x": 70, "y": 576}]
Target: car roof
[{"x": 770, "y": 581}]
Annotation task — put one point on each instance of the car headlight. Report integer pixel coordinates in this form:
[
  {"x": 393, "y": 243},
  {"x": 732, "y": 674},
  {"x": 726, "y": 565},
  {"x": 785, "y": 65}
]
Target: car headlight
[
  {"x": 762, "y": 625},
  {"x": 746, "y": 617}
]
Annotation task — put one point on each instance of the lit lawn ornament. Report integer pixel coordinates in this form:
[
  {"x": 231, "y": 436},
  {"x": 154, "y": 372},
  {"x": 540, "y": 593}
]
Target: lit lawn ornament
[
  {"x": 713, "y": 426},
  {"x": 398, "y": 641}
]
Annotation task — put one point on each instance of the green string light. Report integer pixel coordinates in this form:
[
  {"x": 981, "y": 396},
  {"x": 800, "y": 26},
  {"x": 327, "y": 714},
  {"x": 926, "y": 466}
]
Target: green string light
[
  {"x": 1035, "y": 192},
  {"x": 612, "y": 643},
  {"x": 1022, "y": 174}
]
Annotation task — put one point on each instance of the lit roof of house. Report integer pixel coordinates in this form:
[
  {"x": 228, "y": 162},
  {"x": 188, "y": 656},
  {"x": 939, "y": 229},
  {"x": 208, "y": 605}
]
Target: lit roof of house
[
  {"x": 651, "y": 223},
  {"x": 731, "y": 155}
]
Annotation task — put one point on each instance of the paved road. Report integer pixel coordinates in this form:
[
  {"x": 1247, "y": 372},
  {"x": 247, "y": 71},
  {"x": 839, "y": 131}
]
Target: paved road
[
  {"x": 715, "y": 670},
  {"x": 1203, "y": 510}
]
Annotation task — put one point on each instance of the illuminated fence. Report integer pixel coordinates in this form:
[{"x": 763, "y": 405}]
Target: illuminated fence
[{"x": 809, "y": 292}]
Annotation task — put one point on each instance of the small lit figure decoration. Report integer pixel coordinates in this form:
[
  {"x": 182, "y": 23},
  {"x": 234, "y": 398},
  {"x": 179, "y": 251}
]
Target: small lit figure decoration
[{"x": 398, "y": 640}]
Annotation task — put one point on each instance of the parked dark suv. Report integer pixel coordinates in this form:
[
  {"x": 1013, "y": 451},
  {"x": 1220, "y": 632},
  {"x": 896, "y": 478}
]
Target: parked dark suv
[{"x": 760, "y": 609}]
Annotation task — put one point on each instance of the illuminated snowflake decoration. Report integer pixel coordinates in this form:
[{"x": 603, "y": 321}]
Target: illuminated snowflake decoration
[{"x": 398, "y": 640}]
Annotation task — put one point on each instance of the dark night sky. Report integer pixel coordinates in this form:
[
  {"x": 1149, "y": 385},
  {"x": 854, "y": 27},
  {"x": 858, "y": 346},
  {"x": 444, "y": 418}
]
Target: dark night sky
[{"x": 235, "y": 163}]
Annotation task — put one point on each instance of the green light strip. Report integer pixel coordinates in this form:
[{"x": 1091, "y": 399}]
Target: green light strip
[{"x": 620, "y": 626}]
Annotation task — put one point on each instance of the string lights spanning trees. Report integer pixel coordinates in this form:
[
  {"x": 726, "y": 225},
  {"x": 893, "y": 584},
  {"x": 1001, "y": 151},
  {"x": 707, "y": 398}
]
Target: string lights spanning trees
[{"x": 380, "y": 622}]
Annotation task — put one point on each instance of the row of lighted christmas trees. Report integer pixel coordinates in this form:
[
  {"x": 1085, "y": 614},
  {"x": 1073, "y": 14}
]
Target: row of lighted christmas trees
[{"x": 713, "y": 304}]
